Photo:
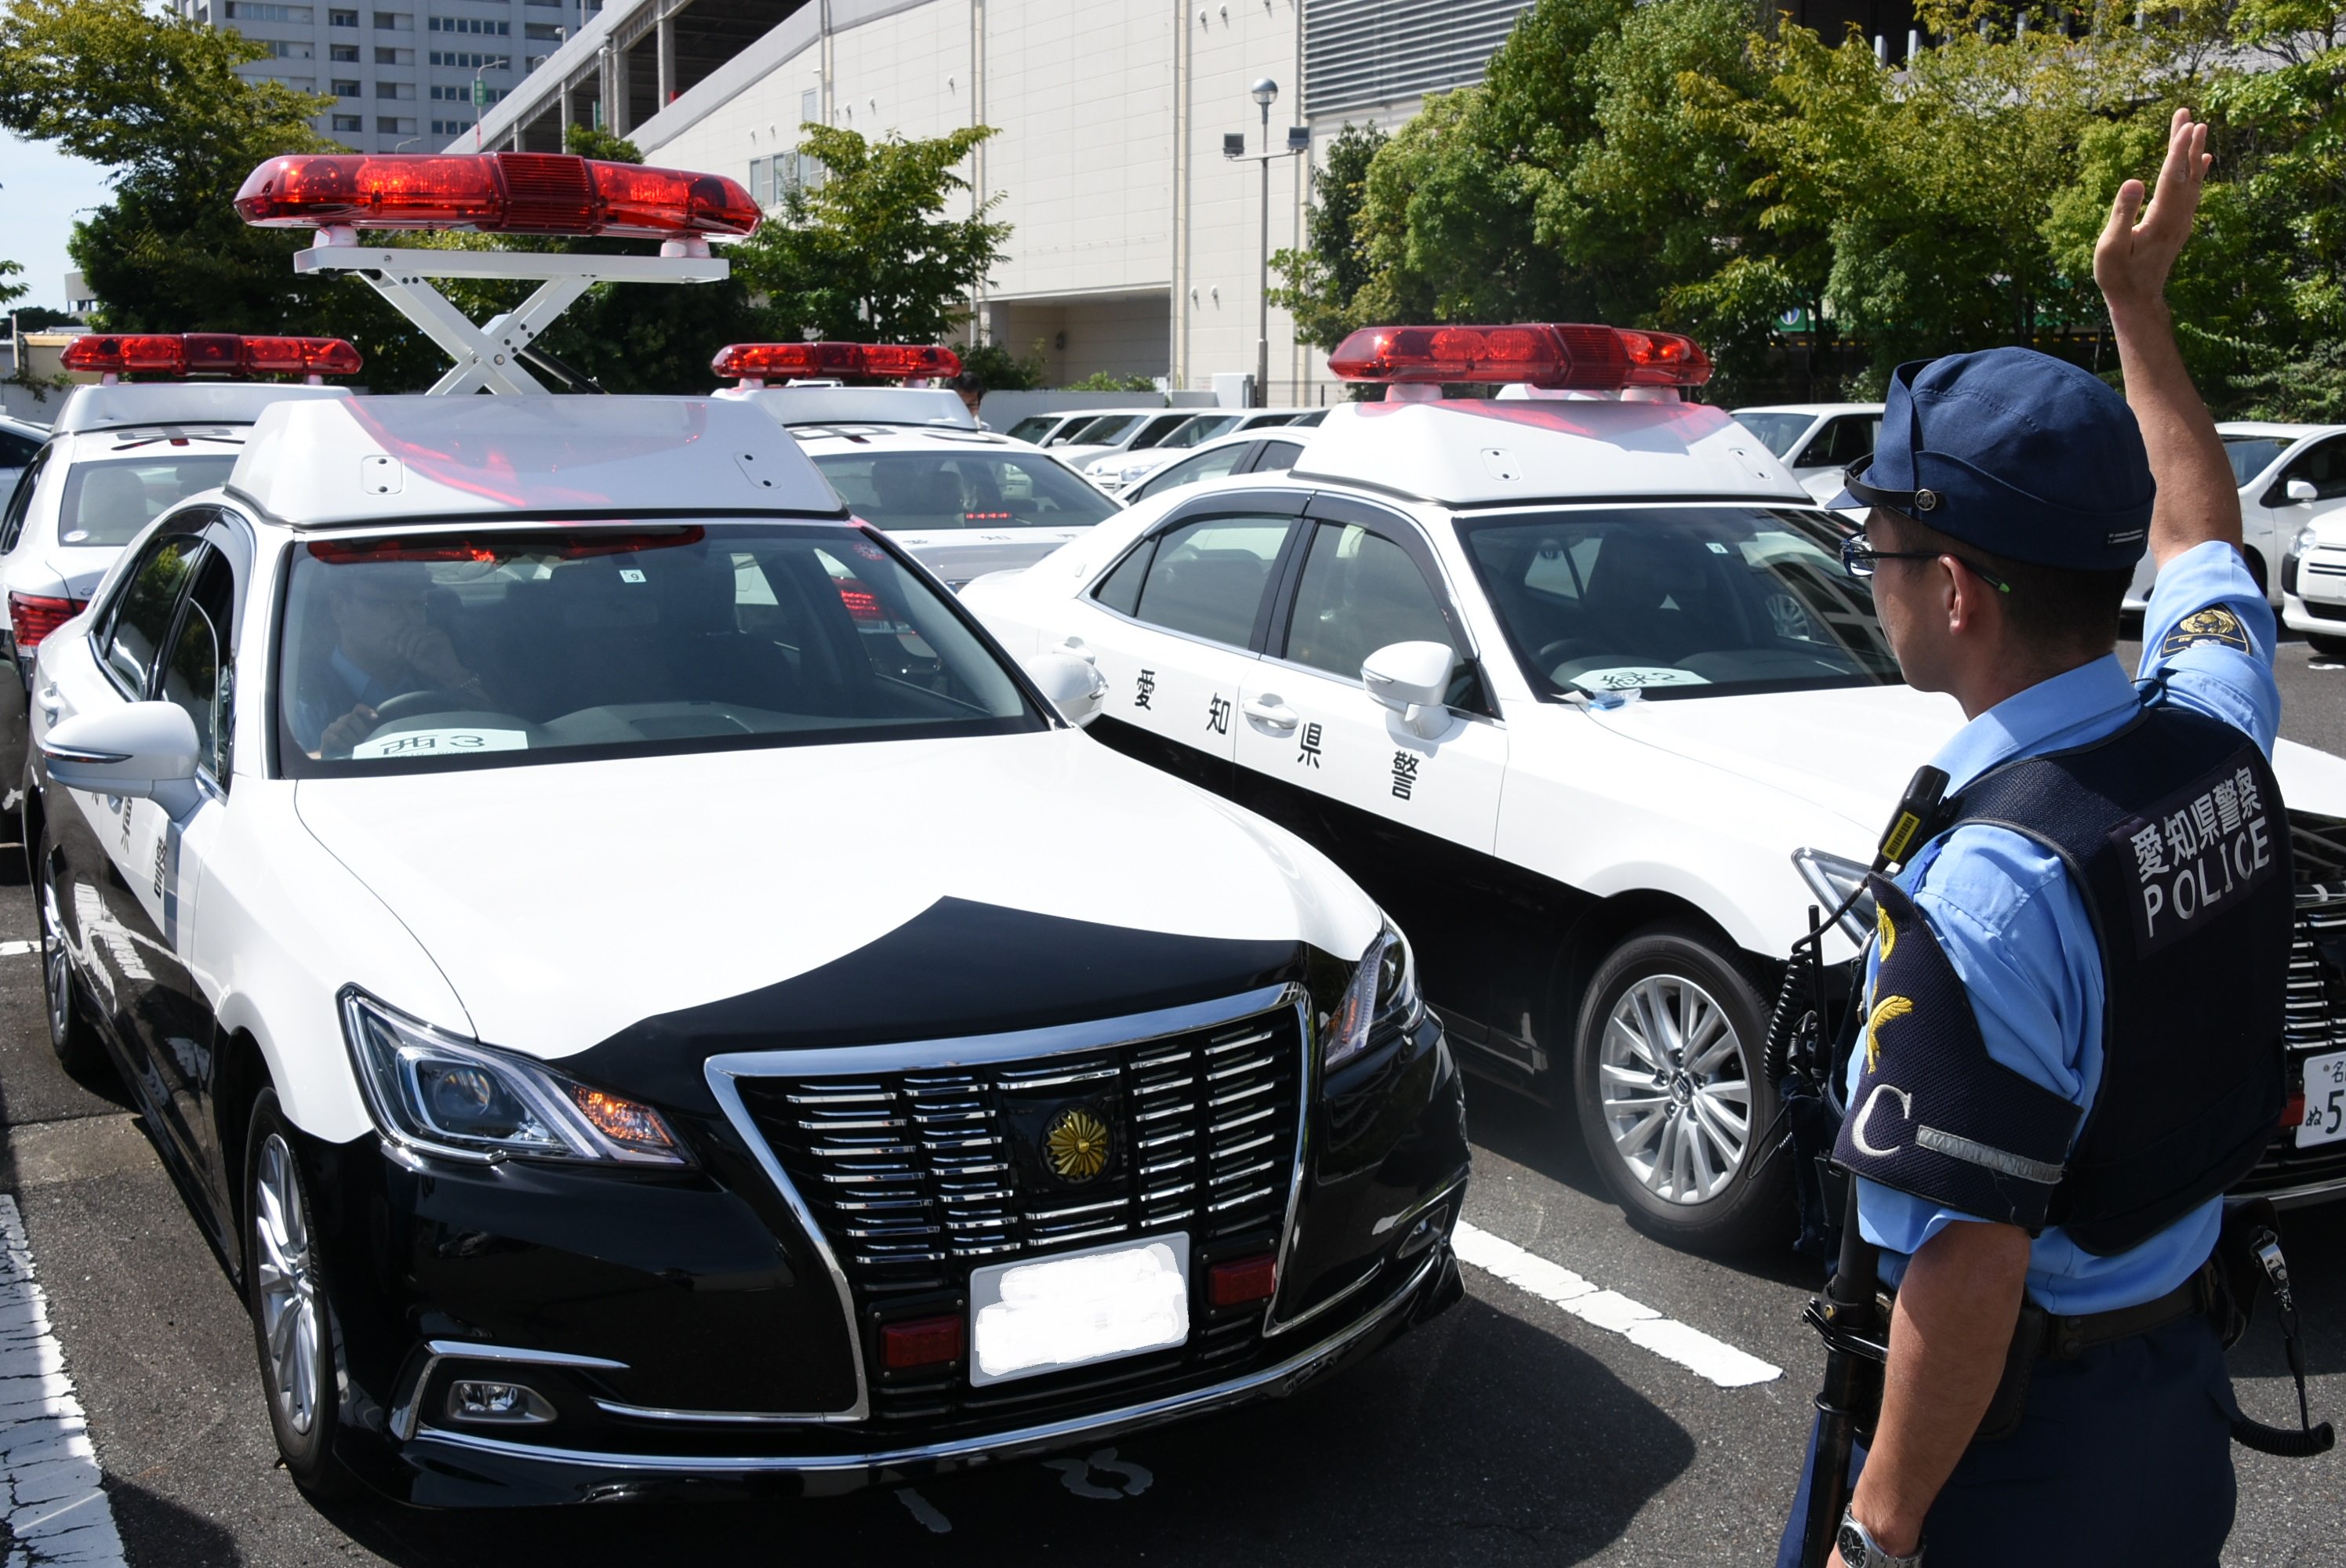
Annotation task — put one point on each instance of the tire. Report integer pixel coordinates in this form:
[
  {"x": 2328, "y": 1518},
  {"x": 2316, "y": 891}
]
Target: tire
[
  {"x": 73, "y": 1035},
  {"x": 2328, "y": 648},
  {"x": 293, "y": 1331},
  {"x": 1669, "y": 1147}
]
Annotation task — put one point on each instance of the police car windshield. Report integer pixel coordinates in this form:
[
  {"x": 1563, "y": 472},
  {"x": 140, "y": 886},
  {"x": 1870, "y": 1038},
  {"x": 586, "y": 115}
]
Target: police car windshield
[
  {"x": 2251, "y": 455},
  {"x": 467, "y": 649},
  {"x": 921, "y": 492},
  {"x": 1679, "y": 601},
  {"x": 106, "y": 502},
  {"x": 1777, "y": 431},
  {"x": 1034, "y": 427}
]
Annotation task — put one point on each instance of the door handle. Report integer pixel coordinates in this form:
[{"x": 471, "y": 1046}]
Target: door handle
[
  {"x": 1270, "y": 713},
  {"x": 51, "y": 702}
]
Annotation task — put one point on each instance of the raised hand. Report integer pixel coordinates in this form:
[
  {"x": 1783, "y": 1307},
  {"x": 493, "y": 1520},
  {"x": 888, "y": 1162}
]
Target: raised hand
[{"x": 2139, "y": 244}]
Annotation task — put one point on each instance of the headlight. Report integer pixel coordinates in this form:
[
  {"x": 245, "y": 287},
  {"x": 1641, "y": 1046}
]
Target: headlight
[
  {"x": 1383, "y": 988},
  {"x": 441, "y": 1095},
  {"x": 2307, "y": 538},
  {"x": 1833, "y": 880}
]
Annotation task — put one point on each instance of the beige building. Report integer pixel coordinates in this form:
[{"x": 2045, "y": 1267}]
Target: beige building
[{"x": 1136, "y": 244}]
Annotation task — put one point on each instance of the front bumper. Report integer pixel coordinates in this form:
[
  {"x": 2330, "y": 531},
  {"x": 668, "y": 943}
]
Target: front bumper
[{"x": 715, "y": 1329}]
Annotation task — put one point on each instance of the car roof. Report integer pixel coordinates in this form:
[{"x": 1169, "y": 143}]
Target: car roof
[
  {"x": 1305, "y": 433},
  {"x": 902, "y": 438},
  {"x": 2252, "y": 427},
  {"x": 1812, "y": 409},
  {"x": 1490, "y": 452},
  {"x": 182, "y": 402},
  {"x": 859, "y": 405},
  {"x": 384, "y": 459},
  {"x": 24, "y": 427}
]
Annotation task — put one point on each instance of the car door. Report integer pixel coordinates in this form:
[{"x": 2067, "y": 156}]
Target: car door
[
  {"x": 1173, "y": 626},
  {"x": 115, "y": 851},
  {"x": 1403, "y": 812},
  {"x": 2274, "y": 519}
]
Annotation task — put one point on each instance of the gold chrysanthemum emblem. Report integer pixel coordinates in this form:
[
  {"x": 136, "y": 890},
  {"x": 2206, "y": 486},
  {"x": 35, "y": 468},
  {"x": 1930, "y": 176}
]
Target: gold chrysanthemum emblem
[{"x": 1077, "y": 1145}]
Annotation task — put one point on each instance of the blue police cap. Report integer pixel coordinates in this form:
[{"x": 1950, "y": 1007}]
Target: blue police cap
[{"x": 2024, "y": 455}]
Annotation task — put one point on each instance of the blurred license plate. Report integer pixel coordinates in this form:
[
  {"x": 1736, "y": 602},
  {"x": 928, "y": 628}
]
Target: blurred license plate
[
  {"x": 2325, "y": 1100},
  {"x": 1095, "y": 1304}
]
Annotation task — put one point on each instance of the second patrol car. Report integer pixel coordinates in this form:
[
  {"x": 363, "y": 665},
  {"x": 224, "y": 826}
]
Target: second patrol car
[{"x": 1564, "y": 677}]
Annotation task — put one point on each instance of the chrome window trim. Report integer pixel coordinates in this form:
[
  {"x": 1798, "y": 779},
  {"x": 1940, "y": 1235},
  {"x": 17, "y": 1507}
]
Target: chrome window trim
[
  {"x": 1148, "y": 1413},
  {"x": 404, "y": 1416},
  {"x": 982, "y": 1050}
]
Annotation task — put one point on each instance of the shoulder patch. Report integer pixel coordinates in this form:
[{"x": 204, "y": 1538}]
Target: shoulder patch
[{"x": 2212, "y": 625}]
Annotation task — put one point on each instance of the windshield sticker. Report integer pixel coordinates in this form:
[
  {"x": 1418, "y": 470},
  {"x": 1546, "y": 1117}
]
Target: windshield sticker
[
  {"x": 630, "y": 574},
  {"x": 1636, "y": 677},
  {"x": 437, "y": 743}
]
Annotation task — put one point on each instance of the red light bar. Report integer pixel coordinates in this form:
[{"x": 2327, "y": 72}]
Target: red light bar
[
  {"x": 225, "y": 353},
  {"x": 1564, "y": 357},
  {"x": 489, "y": 549},
  {"x": 769, "y": 361},
  {"x": 496, "y": 193},
  {"x": 32, "y": 616}
]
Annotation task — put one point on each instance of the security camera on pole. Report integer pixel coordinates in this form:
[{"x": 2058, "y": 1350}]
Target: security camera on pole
[{"x": 1299, "y": 141}]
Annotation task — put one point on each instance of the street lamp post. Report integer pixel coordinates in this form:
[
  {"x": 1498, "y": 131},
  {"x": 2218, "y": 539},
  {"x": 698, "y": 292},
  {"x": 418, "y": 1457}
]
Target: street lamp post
[
  {"x": 1266, "y": 93},
  {"x": 480, "y": 97}
]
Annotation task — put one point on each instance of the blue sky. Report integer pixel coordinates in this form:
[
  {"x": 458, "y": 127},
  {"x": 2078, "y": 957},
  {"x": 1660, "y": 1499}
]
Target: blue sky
[{"x": 39, "y": 190}]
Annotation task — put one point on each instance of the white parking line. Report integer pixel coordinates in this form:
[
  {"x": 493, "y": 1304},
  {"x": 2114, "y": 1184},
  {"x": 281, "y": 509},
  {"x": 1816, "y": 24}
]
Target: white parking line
[
  {"x": 1641, "y": 1325},
  {"x": 49, "y": 1490},
  {"x": 18, "y": 949}
]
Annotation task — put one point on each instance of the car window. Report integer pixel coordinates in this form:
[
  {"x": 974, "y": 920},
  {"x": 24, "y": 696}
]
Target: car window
[
  {"x": 2322, "y": 464},
  {"x": 107, "y": 502},
  {"x": 1278, "y": 456},
  {"x": 140, "y": 618},
  {"x": 2253, "y": 454},
  {"x": 1777, "y": 431},
  {"x": 1359, "y": 592},
  {"x": 1843, "y": 442},
  {"x": 195, "y": 674},
  {"x": 1032, "y": 427},
  {"x": 1107, "y": 428},
  {"x": 20, "y": 502},
  {"x": 984, "y": 488},
  {"x": 15, "y": 450},
  {"x": 1314, "y": 417},
  {"x": 1207, "y": 577},
  {"x": 1212, "y": 465},
  {"x": 1678, "y": 601},
  {"x": 1202, "y": 428},
  {"x": 1156, "y": 429},
  {"x": 553, "y": 643}
]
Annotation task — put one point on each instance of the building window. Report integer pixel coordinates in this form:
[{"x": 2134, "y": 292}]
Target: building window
[
  {"x": 348, "y": 53},
  {"x": 383, "y": 56},
  {"x": 471, "y": 25},
  {"x": 1362, "y": 53},
  {"x": 537, "y": 60},
  {"x": 349, "y": 122},
  {"x": 390, "y": 127},
  {"x": 462, "y": 93},
  {"x": 344, "y": 90},
  {"x": 282, "y": 50},
  {"x": 247, "y": 11},
  {"x": 341, "y": 18},
  {"x": 542, "y": 33},
  {"x": 470, "y": 61},
  {"x": 393, "y": 21}
]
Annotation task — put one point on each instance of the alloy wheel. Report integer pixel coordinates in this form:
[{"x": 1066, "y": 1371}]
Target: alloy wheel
[
  {"x": 1675, "y": 1089},
  {"x": 290, "y": 1321},
  {"x": 56, "y": 962}
]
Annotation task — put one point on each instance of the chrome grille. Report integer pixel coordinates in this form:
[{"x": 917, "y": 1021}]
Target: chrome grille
[
  {"x": 2315, "y": 1012},
  {"x": 916, "y": 1177}
]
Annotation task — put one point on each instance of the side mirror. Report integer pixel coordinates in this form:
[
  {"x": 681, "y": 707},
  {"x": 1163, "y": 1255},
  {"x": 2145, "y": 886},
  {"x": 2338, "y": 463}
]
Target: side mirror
[
  {"x": 143, "y": 750},
  {"x": 1073, "y": 683},
  {"x": 1413, "y": 680},
  {"x": 2303, "y": 490}
]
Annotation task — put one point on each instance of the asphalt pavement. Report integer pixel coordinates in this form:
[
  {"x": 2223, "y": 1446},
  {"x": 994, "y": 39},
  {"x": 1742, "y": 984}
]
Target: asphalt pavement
[{"x": 1597, "y": 1398}]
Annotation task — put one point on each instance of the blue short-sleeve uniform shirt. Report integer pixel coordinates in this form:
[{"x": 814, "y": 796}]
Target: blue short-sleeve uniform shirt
[{"x": 2016, "y": 928}]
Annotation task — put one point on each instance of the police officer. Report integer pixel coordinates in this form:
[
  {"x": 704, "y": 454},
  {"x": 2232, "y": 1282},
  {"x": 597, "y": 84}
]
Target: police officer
[{"x": 2072, "y": 1024}]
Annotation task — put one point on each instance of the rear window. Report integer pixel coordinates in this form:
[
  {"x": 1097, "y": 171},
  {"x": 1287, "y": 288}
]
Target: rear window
[
  {"x": 1777, "y": 431},
  {"x": 1032, "y": 427},
  {"x": 920, "y": 492},
  {"x": 555, "y": 644},
  {"x": 106, "y": 502}
]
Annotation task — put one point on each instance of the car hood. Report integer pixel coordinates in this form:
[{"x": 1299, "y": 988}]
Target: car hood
[
  {"x": 1025, "y": 881},
  {"x": 1849, "y": 751}
]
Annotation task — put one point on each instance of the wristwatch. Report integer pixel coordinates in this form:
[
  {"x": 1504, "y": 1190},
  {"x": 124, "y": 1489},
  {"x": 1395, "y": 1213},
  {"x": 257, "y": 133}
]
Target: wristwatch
[{"x": 1859, "y": 1550}]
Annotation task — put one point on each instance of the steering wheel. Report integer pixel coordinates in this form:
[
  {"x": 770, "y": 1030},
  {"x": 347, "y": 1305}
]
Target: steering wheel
[
  {"x": 408, "y": 704},
  {"x": 1563, "y": 649}
]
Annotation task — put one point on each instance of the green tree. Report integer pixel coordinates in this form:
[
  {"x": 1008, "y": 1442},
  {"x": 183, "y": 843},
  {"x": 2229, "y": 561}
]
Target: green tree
[
  {"x": 1321, "y": 280},
  {"x": 1107, "y": 380},
  {"x": 998, "y": 369},
  {"x": 866, "y": 251},
  {"x": 10, "y": 293}
]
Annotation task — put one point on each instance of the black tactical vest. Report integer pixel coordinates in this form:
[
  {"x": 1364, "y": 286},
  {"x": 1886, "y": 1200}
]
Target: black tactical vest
[{"x": 2174, "y": 831}]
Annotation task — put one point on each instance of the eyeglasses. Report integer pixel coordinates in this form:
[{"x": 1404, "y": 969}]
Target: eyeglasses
[{"x": 1857, "y": 558}]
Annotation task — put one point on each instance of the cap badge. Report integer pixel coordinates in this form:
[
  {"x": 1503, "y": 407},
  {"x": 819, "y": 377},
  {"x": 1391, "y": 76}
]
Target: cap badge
[{"x": 1926, "y": 501}]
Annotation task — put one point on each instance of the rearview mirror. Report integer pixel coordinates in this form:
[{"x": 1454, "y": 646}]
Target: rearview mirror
[
  {"x": 142, "y": 750},
  {"x": 1412, "y": 679},
  {"x": 1073, "y": 683},
  {"x": 2303, "y": 490}
]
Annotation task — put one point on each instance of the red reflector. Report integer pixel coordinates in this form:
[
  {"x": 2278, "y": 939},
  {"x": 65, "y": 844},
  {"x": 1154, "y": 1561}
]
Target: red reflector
[
  {"x": 2292, "y": 1114},
  {"x": 496, "y": 193},
  {"x": 921, "y": 1343},
  {"x": 218, "y": 353},
  {"x": 1565, "y": 358},
  {"x": 768, "y": 361},
  {"x": 32, "y": 616},
  {"x": 1241, "y": 1280}
]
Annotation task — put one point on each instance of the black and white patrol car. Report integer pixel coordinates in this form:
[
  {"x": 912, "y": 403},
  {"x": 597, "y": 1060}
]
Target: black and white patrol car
[
  {"x": 1564, "y": 680},
  {"x": 910, "y": 459},
  {"x": 817, "y": 1137}
]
